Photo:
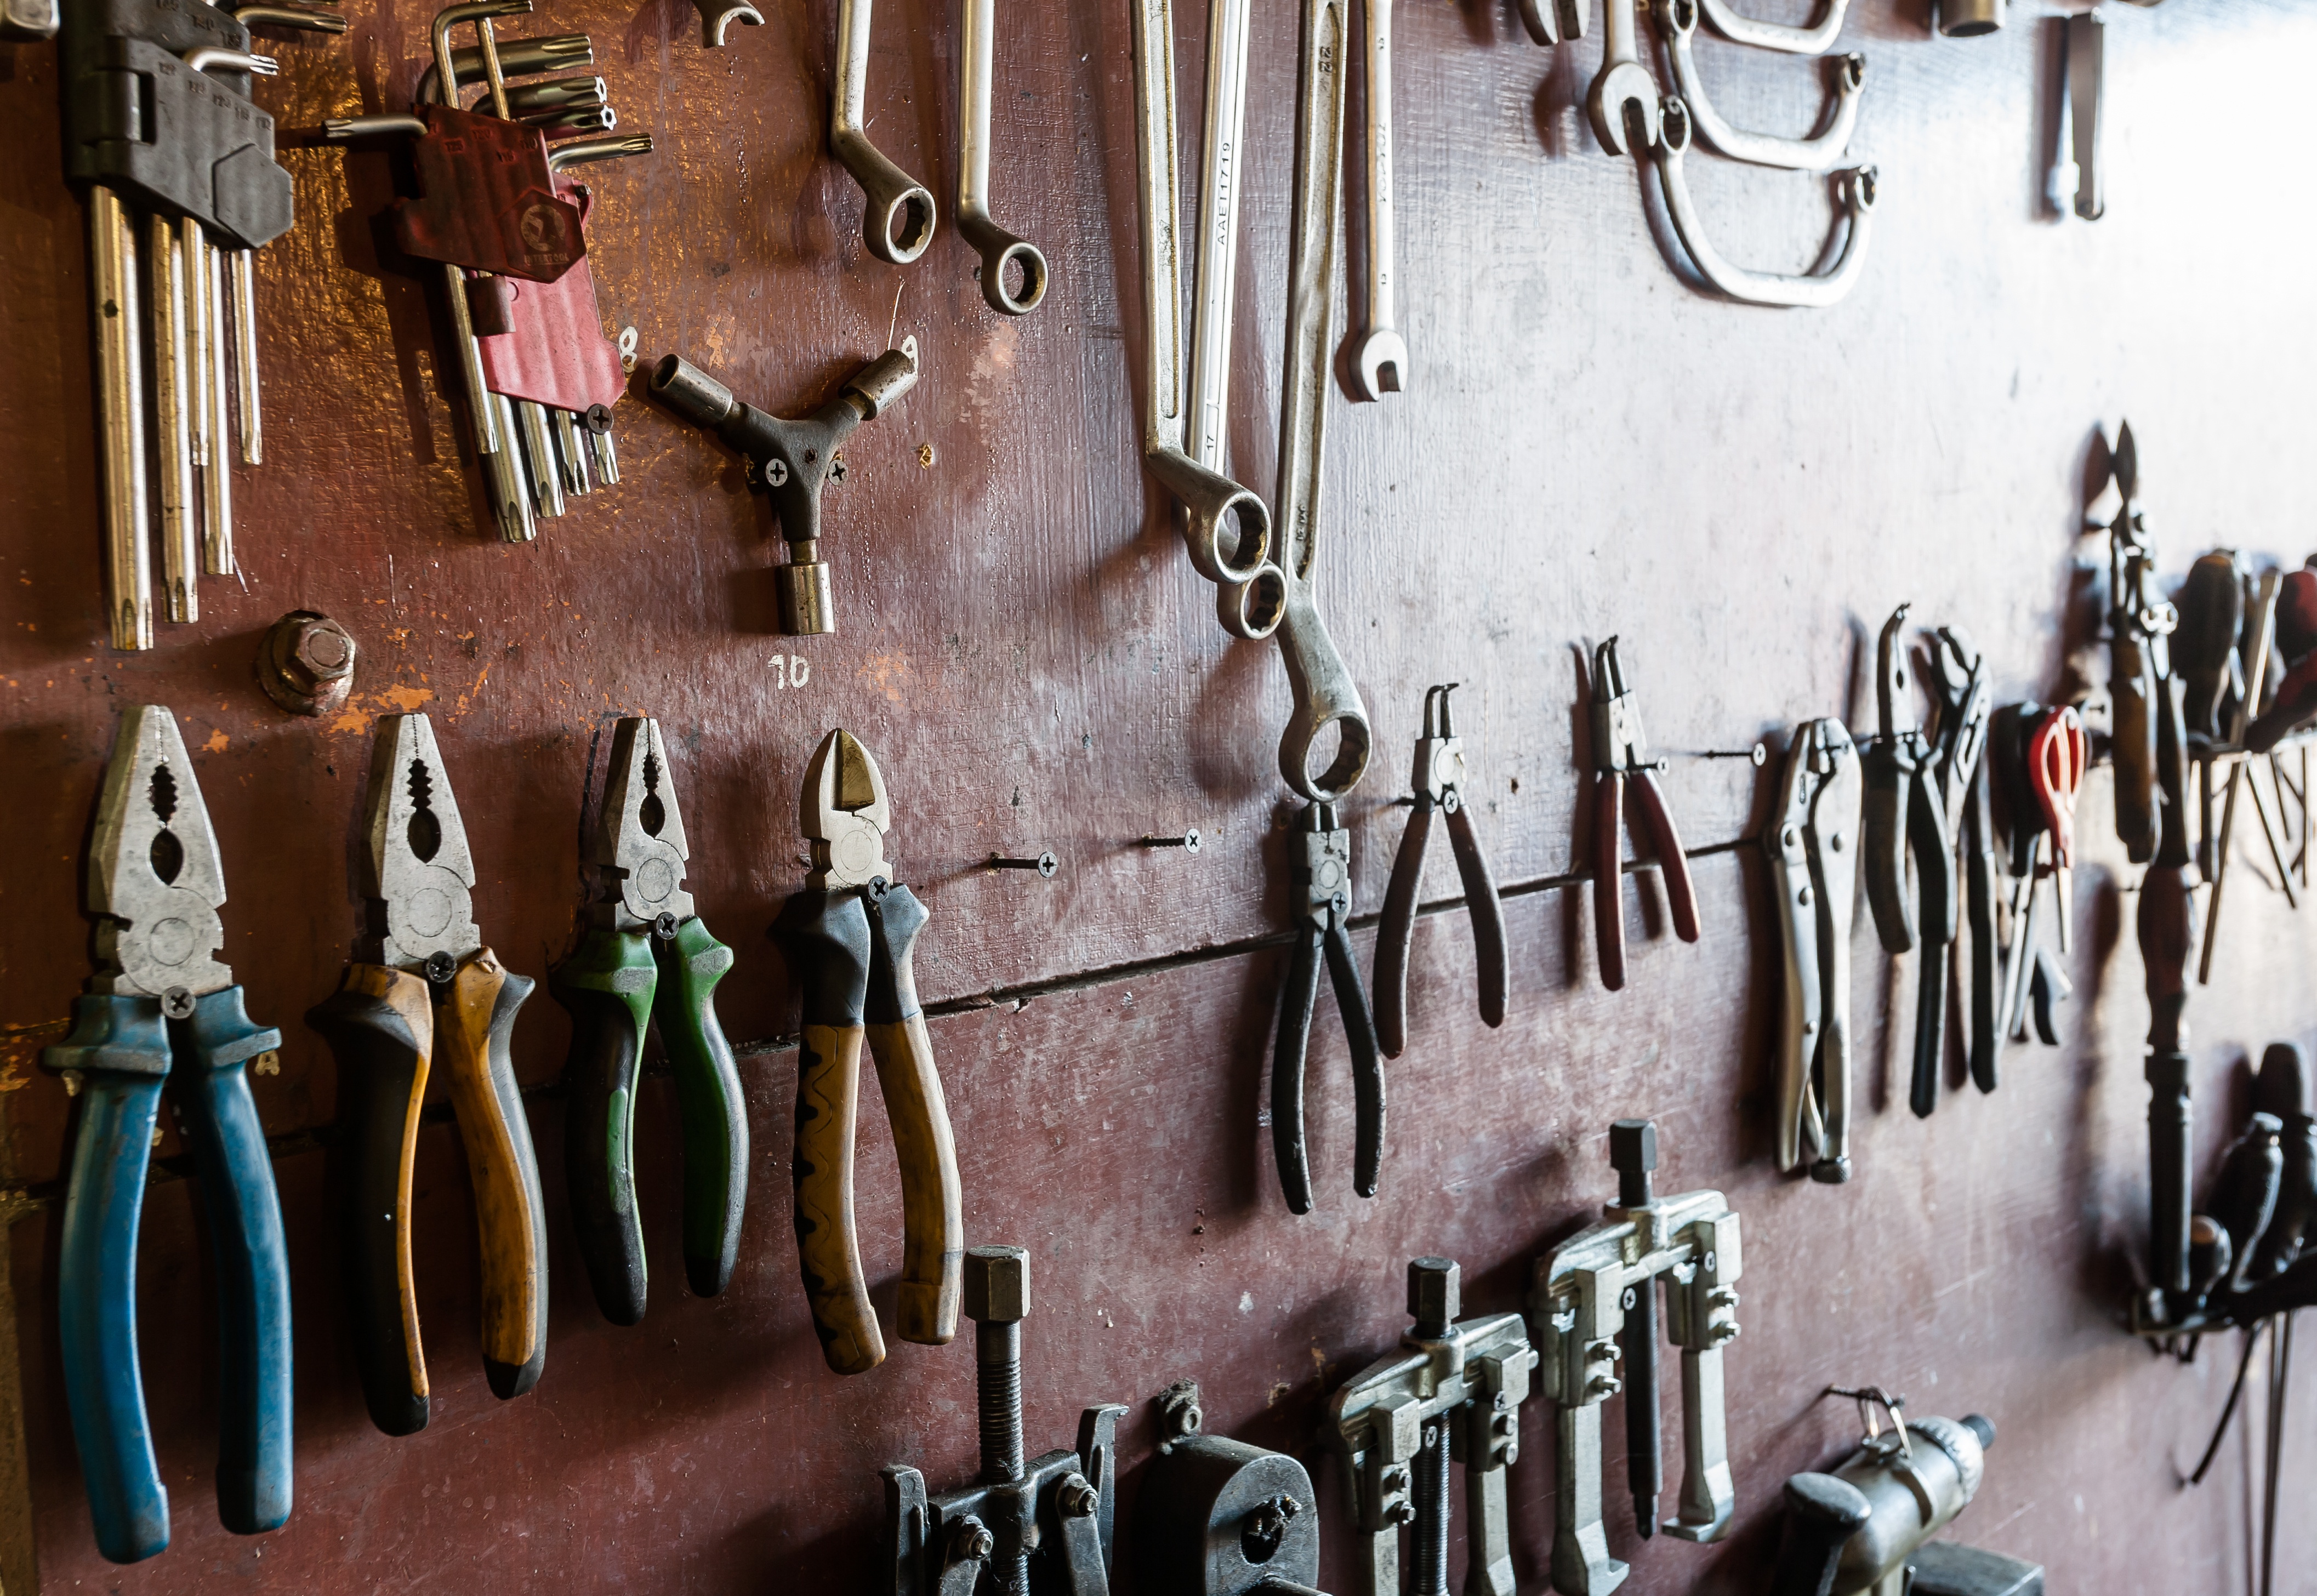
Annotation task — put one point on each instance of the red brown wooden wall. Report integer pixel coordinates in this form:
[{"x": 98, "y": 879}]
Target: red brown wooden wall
[{"x": 1588, "y": 448}]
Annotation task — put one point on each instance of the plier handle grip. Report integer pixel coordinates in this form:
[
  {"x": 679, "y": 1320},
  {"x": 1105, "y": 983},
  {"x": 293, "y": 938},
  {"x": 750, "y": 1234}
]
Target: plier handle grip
[
  {"x": 1320, "y": 870},
  {"x": 1905, "y": 812}
]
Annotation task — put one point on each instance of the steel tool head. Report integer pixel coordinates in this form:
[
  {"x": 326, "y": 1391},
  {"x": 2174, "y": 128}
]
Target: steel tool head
[
  {"x": 1382, "y": 365},
  {"x": 2124, "y": 460},
  {"x": 1435, "y": 1297},
  {"x": 845, "y": 814},
  {"x": 638, "y": 838},
  {"x": 1439, "y": 752},
  {"x": 1894, "y": 687},
  {"x": 153, "y": 871},
  {"x": 416, "y": 869},
  {"x": 1619, "y": 744},
  {"x": 996, "y": 1285}
]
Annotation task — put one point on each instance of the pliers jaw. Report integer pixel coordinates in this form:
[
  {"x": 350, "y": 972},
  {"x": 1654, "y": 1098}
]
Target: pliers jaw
[
  {"x": 638, "y": 844},
  {"x": 845, "y": 815},
  {"x": 1620, "y": 746},
  {"x": 1321, "y": 869},
  {"x": 153, "y": 879},
  {"x": 417, "y": 872},
  {"x": 1439, "y": 771}
]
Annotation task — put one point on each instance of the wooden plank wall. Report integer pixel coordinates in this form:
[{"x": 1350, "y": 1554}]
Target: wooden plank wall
[{"x": 1589, "y": 447}]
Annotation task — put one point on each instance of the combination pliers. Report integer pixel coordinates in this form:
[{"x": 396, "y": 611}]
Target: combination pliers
[
  {"x": 1320, "y": 874},
  {"x": 424, "y": 990},
  {"x": 1906, "y": 813},
  {"x": 1620, "y": 754},
  {"x": 1961, "y": 698},
  {"x": 162, "y": 1009},
  {"x": 1814, "y": 852},
  {"x": 647, "y": 957},
  {"x": 1438, "y": 783},
  {"x": 850, "y": 934}
]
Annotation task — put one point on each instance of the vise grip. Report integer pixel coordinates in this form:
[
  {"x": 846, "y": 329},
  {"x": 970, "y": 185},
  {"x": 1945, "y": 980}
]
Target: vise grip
[
  {"x": 1218, "y": 1517},
  {"x": 1579, "y": 1299},
  {"x": 1455, "y": 1388}
]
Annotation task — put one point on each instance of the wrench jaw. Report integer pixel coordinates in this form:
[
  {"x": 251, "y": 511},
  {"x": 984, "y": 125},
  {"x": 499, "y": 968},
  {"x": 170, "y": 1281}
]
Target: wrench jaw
[
  {"x": 1252, "y": 610},
  {"x": 897, "y": 222},
  {"x": 1622, "y": 105},
  {"x": 1382, "y": 365}
]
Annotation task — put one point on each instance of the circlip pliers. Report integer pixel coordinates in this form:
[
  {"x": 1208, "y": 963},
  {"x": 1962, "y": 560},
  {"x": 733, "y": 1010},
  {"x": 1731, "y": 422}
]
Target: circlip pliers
[
  {"x": 850, "y": 934},
  {"x": 425, "y": 990},
  {"x": 647, "y": 957},
  {"x": 1320, "y": 876},
  {"x": 1621, "y": 754},
  {"x": 162, "y": 1009},
  {"x": 1813, "y": 850},
  {"x": 1438, "y": 783}
]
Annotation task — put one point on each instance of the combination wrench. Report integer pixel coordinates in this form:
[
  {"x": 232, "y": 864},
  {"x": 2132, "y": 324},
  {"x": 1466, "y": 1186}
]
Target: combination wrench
[
  {"x": 1002, "y": 253},
  {"x": 898, "y": 222},
  {"x": 1623, "y": 95},
  {"x": 1813, "y": 291},
  {"x": 1820, "y": 152},
  {"x": 1322, "y": 686},
  {"x": 1226, "y": 527},
  {"x": 1381, "y": 367},
  {"x": 1810, "y": 39}
]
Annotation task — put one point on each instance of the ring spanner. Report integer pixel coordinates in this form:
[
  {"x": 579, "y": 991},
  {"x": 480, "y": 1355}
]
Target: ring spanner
[
  {"x": 1000, "y": 251},
  {"x": 900, "y": 220}
]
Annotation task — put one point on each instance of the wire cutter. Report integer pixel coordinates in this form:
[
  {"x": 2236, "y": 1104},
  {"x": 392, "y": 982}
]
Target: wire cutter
[
  {"x": 1439, "y": 785},
  {"x": 1814, "y": 863},
  {"x": 425, "y": 989},
  {"x": 1320, "y": 876},
  {"x": 850, "y": 934},
  {"x": 160, "y": 995},
  {"x": 1960, "y": 695},
  {"x": 1620, "y": 753},
  {"x": 647, "y": 957}
]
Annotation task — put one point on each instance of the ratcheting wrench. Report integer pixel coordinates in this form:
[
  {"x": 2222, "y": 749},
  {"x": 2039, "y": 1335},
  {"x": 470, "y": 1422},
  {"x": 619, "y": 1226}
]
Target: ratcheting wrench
[
  {"x": 1623, "y": 97},
  {"x": 1677, "y": 26},
  {"x": 1809, "y": 41},
  {"x": 1226, "y": 527},
  {"x": 1814, "y": 861},
  {"x": 1813, "y": 290},
  {"x": 898, "y": 222},
  {"x": 1002, "y": 253},
  {"x": 1382, "y": 365},
  {"x": 1324, "y": 691}
]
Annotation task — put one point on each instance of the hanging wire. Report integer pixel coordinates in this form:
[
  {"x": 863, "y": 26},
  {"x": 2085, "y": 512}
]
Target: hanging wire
[
  {"x": 2236, "y": 1389},
  {"x": 2280, "y": 1365}
]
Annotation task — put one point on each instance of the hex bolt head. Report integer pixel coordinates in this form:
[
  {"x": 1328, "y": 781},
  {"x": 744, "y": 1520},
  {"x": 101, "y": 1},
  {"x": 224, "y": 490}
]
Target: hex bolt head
[
  {"x": 996, "y": 1285},
  {"x": 306, "y": 663},
  {"x": 1433, "y": 1296},
  {"x": 1633, "y": 1155},
  {"x": 1075, "y": 1498}
]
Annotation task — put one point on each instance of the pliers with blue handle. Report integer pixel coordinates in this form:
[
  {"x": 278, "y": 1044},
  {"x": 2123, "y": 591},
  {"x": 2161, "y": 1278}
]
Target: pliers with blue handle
[{"x": 163, "y": 1010}]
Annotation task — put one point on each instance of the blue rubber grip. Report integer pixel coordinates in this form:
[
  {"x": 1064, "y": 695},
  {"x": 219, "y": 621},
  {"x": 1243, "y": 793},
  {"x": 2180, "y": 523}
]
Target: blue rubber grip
[
  {"x": 220, "y": 1124},
  {"x": 120, "y": 1046}
]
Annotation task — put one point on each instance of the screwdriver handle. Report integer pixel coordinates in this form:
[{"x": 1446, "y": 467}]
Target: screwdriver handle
[
  {"x": 379, "y": 1024},
  {"x": 219, "y": 1117},
  {"x": 829, "y": 944},
  {"x": 120, "y": 1047},
  {"x": 709, "y": 1101},
  {"x": 473, "y": 1015},
  {"x": 933, "y": 1222},
  {"x": 608, "y": 987}
]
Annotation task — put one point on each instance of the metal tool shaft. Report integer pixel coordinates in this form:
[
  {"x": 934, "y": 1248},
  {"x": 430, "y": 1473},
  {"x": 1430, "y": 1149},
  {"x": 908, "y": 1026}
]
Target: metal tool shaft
[
  {"x": 997, "y": 1356},
  {"x": 241, "y": 265},
  {"x": 120, "y": 419},
  {"x": 216, "y": 374},
  {"x": 181, "y": 545},
  {"x": 1430, "y": 1547},
  {"x": 1214, "y": 287}
]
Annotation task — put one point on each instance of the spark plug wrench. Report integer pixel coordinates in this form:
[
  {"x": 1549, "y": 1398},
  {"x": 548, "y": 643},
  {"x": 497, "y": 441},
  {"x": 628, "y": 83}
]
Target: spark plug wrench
[
  {"x": 1810, "y": 290},
  {"x": 1819, "y": 152},
  {"x": 1382, "y": 366},
  {"x": 900, "y": 220},
  {"x": 1001, "y": 251},
  {"x": 1226, "y": 528}
]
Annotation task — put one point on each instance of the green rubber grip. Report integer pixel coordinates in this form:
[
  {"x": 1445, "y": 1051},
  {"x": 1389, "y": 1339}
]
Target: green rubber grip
[
  {"x": 608, "y": 987},
  {"x": 709, "y": 1100}
]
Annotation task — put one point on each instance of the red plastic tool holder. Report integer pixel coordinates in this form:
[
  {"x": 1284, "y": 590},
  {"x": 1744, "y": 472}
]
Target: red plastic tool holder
[
  {"x": 552, "y": 349},
  {"x": 487, "y": 200}
]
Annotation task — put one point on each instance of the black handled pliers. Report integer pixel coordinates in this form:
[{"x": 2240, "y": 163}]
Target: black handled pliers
[
  {"x": 1319, "y": 857},
  {"x": 1438, "y": 782},
  {"x": 1620, "y": 754},
  {"x": 164, "y": 1009},
  {"x": 1813, "y": 850},
  {"x": 647, "y": 958},
  {"x": 1960, "y": 691},
  {"x": 1906, "y": 813}
]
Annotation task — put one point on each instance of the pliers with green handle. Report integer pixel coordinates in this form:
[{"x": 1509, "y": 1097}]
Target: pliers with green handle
[
  {"x": 164, "y": 1009},
  {"x": 647, "y": 957}
]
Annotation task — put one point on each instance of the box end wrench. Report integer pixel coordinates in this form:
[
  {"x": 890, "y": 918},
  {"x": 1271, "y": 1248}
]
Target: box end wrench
[
  {"x": 1002, "y": 253},
  {"x": 717, "y": 17},
  {"x": 900, "y": 220},
  {"x": 1382, "y": 365}
]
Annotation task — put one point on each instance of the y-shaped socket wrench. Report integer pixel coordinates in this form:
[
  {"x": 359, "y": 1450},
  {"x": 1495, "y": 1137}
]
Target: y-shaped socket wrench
[
  {"x": 1678, "y": 25},
  {"x": 1813, "y": 290},
  {"x": 1381, "y": 367},
  {"x": 900, "y": 220},
  {"x": 1225, "y": 526},
  {"x": 1002, "y": 253},
  {"x": 1810, "y": 39}
]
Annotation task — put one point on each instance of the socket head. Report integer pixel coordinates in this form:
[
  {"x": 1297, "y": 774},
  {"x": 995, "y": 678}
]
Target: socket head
[
  {"x": 1434, "y": 1294},
  {"x": 1634, "y": 1146},
  {"x": 996, "y": 1285}
]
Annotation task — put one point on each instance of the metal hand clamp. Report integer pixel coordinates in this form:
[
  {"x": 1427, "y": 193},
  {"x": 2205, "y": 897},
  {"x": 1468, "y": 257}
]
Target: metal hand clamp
[
  {"x": 789, "y": 461},
  {"x": 1620, "y": 754},
  {"x": 1594, "y": 1298},
  {"x": 1217, "y": 1517},
  {"x": 1439, "y": 787},
  {"x": 1454, "y": 1389},
  {"x": 1813, "y": 850},
  {"x": 1321, "y": 875},
  {"x": 1055, "y": 1509}
]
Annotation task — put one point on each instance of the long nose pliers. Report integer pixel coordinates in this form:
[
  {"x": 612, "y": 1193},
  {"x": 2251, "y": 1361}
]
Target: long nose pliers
[
  {"x": 647, "y": 958},
  {"x": 1320, "y": 872},
  {"x": 164, "y": 1009},
  {"x": 1621, "y": 754},
  {"x": 425, "y": 990},
  {"x": 850, "y": 935},
  {"x": 1814, "y": 849},
  {"x": 1438, "y": 782}
]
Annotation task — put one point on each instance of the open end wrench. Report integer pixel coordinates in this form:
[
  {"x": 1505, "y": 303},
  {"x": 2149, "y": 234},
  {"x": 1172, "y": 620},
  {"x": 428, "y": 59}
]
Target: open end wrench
[
  {"x": 1678, "y": 25},
  {"x": 1002, "y": 253},
  {"x": 1324, "y": 691},
  {"x": 1623, "y": 98},
  {"x": 1556, "y": 22},
  {"x": 1813, "y": 290},
  {"x": 1209, "y": 498},
  {"x": 1811, "y": 40},
  {"x": 1381, "y": 367},
  {"x": 900, "y": 220}
]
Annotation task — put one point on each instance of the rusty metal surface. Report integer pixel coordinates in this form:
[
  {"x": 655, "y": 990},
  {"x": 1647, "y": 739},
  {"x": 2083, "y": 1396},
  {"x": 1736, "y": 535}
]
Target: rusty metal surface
[{"x": 1588, "y": 447}]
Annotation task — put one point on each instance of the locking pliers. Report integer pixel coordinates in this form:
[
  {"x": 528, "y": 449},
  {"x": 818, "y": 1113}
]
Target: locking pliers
[
  {"x": 1621, "y": 753},
  {"x": 1320, "y": 875},
  {"x": 1438, "y": 782},
  {"x": 1814, "y": 860}
]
